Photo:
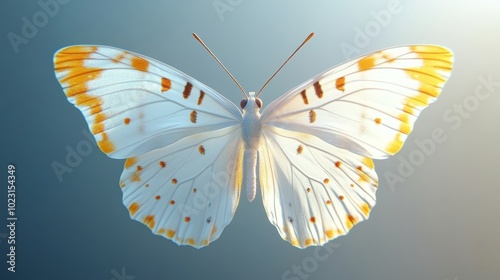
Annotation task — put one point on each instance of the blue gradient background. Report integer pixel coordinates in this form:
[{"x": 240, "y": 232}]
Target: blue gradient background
[{"x": 440, "y": 223}]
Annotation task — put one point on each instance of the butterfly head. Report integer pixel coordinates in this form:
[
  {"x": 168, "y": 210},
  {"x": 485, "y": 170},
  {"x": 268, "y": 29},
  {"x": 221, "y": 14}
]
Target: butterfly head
[{"x": 251, "y": 103}]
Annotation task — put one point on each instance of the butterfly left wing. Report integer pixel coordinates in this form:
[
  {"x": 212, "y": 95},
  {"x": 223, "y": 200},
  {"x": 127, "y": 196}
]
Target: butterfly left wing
[
  {"x": 316, "y": 173},
  {"x": 172, "y": 129}
]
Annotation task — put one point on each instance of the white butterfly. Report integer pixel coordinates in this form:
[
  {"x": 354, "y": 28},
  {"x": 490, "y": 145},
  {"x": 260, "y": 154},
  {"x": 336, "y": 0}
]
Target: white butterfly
[{"x": 188, "y": 148}]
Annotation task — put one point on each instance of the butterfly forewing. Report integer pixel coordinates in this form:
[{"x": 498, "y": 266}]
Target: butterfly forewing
[
  {"x": 367, "y": 105},
  {"x": 134, "y": 104},
  {"x": 187, "y": 191}
]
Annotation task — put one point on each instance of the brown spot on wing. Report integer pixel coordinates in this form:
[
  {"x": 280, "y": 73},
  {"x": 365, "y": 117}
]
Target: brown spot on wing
[
  {"x": 318, "y": 90},
  {"x": 201, "y": 149},
  {"x": 172, "y": 202},
  {"x": 193, "y": 116},
  {"x": 300, "y": 149},
  {"x": 187, "y": 219},
  {"x": 163, "y": 164},
  {"x": 312, "y": 116},
  {"x": 174, "y": 181},
  {"x": 200, "y": 99},
  {"x": 187, "y": 90},
  {"x": 304, "y": 97}
]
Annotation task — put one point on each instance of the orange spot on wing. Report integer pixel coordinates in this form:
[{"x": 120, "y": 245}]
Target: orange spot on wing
[
  {"x": 366, "y": 63},
  {"x": 166, "y": 84},
  {"x": 72, "y": 61},
  {"x": 330, "y": 234},
  {"x": 126, "y": 120},
  {"x": 170, "y": 233},
  {"x": 368, "y": 162},
  {"x": 338, "y": 164},
  {"x": 341, "y": 197},
  {"x": 191, "y": 241},
  {"x": 172, "y": 202},
  {"x": 133, "y": 208},
  {"x": 328, "y": 202},
  {"x": 312, "y": 219},
  {"x": 309, "y": 241},
  {"x": 130, "y": 161},
  {"x": 150, "y": 221},
  {"x": 326, "y": 181},
  {"x": 161, "y": 231},
  {"x": 174, "y": 181},
  {"x": 119, "y": 57},
  {"x": 187, "y": 219},
  {"x": 365, "y": 208},
  {"x": 378, "y": 120},
  {"x": 140, "y": 63},
  {"x": 340, "y": 83},
  {"x": 395, "y": 145},
  {"x": 163, "y": 164},
  {"x": 157, "y": 197},
  {"x": 350, "y": 221}
]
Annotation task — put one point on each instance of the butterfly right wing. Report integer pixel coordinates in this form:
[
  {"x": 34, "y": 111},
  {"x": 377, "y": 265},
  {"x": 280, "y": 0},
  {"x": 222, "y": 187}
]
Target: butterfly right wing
[{"x": 134, "y": 104}]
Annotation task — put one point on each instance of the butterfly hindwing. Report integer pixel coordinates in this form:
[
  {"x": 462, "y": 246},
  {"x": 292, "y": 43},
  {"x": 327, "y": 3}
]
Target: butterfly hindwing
[
  {"x": 313, "y": 191},
  {"x": 367, "y": 105},
  {"x": 187, "y": 191},
  {"x": 134, "y": 104}
]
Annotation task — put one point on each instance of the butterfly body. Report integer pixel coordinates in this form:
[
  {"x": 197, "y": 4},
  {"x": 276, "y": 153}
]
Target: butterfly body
[
  {"x": 251, "y": 128},
  {"x": 189, "y": 150}
]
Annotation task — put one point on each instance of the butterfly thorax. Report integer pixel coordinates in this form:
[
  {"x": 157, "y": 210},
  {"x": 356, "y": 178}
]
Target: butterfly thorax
[{"x": 251, "y": 121}]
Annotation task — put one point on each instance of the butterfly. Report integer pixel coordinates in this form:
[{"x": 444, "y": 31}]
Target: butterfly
[{"x": 189, "y": 150}]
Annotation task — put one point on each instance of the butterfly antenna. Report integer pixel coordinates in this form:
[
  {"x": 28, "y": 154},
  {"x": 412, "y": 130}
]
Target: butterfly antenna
[
  {"x": 303, "y": 43},
  {"x": 220, "y": 63}
]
